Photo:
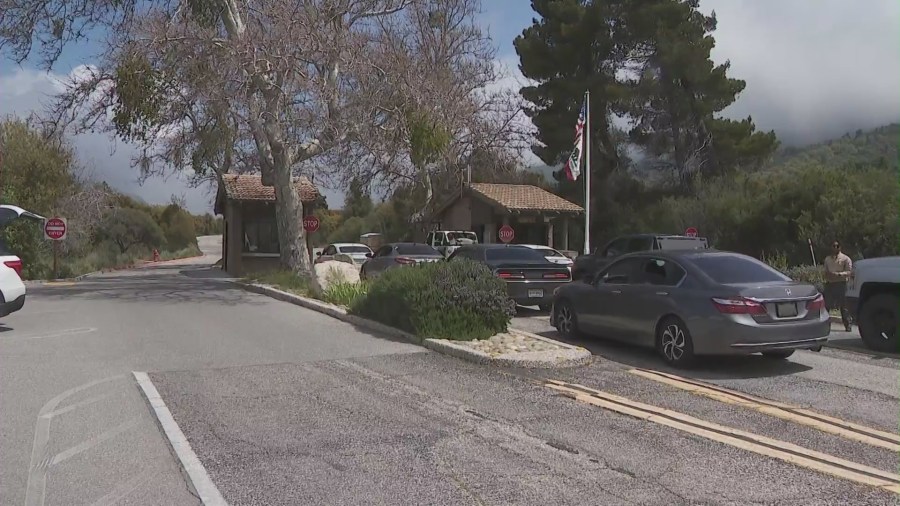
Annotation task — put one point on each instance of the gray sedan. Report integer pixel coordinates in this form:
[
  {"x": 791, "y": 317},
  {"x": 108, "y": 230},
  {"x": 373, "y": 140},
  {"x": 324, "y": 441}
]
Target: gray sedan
[
  {"x": 399, "y": 254},
  {"x": 692, "y": 303}
]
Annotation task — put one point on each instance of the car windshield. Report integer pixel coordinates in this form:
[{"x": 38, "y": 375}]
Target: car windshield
[
  {"x": 513, "y": 254},
  {"x": 354, "y": 249},
  {"x": 470, "y": 236},
  {"x": 417, "y": 249},
  {"x": 734, "y": 269}
]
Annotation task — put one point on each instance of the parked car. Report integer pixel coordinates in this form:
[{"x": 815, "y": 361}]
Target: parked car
[
  {"x": 12, "y": 290},
  {"x": 873, "y": 297},
  {"x": 590, "y": 265},
  {"x": 689, "y": 303},
  {"x": 551, "y": 254},
  {"x": 357, "y": 252},
  {"x": 530, "y": 278},
  {"x": 398, "y": 254}
]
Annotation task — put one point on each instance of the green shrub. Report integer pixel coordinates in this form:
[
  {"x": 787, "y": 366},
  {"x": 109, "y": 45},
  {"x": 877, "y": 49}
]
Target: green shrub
[
  {"x": 808, "y": 274},
  {"x": 344, "y": 294},
  {"x": 458, "y": 300}
]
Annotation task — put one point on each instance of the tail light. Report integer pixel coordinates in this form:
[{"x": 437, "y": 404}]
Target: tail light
[
  {"x": 816, "y": 304},
  {"x": 556, "y": 275},
  {"x": 510, "y": 275},
  {"x": 404, "y": 261},
  {"x": 739, "y": 305},
  {"x": 15, "y": 265}
]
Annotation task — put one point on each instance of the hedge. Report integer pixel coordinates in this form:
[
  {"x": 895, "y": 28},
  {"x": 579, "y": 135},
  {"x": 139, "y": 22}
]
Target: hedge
[{"x": 459, "y": 300}]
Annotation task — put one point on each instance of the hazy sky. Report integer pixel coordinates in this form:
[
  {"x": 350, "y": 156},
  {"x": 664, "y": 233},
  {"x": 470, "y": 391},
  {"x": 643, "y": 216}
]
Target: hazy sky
[{"x": 814, "y": 70}]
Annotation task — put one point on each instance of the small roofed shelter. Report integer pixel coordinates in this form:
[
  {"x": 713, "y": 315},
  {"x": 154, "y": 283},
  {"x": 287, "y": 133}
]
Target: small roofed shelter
[
  {"x": 250, "y": 242},
  {"x": 533, "y": 212}
]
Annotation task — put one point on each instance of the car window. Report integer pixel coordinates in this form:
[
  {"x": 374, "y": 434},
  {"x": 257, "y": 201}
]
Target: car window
[
  {"x": 513, "y": 253},
  {"x": 620, "y": 273},
  {"x": 429, "y": 239},
  {"x": 640, "y": 244},
  {"x": 657, "y": 271},
  {"x": 329, "y": 251},
  {"x": 737, "y": 269},
  {"x": 354, "y": 249},
  {"x": 616, "y": 248},
  {"x": 416, "y": 249}
]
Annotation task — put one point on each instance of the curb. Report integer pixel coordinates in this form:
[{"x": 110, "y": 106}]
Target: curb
[
  {"x": 571, "y": 356},
  {"x": 102, "y": 271}
]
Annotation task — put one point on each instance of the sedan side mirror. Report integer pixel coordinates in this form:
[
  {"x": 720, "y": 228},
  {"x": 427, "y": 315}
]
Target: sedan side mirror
[{"x": 370, "y": 255}]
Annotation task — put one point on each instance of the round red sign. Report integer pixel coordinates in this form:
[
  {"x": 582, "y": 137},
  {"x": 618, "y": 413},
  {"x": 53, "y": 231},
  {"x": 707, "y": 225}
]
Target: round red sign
[
  {"x": 310, "y": 223},
  {"x": 55, "y": 228},
  {"x": 506, "y": 233},
  {"x": 691, "y": 232}
]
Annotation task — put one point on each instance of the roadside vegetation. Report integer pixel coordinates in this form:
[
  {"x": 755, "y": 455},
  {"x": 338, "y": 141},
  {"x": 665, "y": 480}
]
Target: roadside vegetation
[{"x": 106, "y": 229}]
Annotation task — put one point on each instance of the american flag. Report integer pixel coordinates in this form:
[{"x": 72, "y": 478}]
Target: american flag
[{"x": 573, "y": 164}]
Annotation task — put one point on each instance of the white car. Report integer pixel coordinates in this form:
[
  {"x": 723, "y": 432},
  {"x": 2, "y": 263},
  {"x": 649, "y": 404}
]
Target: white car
[
  {"x": 357, "y": 252},
  {"x": 12, "y": 290},
  {"x": 551, "y": 254}
]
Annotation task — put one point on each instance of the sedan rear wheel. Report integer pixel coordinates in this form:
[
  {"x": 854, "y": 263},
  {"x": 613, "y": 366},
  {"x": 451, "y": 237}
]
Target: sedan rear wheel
[
  {"x": 565, "y": 320},
  {"x": 674, "y": 343}
]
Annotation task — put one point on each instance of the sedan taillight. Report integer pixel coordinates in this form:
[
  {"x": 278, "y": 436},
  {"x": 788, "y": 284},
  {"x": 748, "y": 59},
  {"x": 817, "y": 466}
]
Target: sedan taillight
[
  {"x": 739, "y": 305},
  {"x": 404, "y": 261},
  {"x": 556, "y": 275},
  {"x": 15, "y": 265},
  {"x": 816, "y": 304}
]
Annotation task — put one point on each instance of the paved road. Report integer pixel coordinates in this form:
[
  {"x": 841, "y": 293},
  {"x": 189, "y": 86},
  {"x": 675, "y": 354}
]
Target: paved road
[
  {"x": 66, "y": 393},
  {"x": 285, "y": 406}
]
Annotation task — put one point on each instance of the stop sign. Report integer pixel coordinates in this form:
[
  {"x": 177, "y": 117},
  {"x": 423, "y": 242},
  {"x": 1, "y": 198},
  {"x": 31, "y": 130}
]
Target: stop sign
[
  {"x": 506, "y": 233},
  {"x": 310, "y": 223},
  {"x": 55, "y": 229},
  {"x": 691, "y": 232}
]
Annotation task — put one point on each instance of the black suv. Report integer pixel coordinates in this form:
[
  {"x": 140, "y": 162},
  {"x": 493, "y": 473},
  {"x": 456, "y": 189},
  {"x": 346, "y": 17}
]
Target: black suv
[{"x": 589, "y": 265}]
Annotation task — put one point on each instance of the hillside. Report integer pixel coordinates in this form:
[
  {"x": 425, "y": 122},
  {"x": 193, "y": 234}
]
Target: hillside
[{"x": 862, "y": 148}]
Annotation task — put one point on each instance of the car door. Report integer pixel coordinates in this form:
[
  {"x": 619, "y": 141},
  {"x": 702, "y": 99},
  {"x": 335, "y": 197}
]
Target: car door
[
  {"x": 599, "y": 312},
  {"x": 648, "y": 298},
  {"x": 380, "y": 261}
]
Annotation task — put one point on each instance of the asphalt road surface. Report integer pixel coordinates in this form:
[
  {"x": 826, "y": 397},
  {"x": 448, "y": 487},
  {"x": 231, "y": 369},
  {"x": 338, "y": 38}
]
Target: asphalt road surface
[{"x": 287, "y": 406}]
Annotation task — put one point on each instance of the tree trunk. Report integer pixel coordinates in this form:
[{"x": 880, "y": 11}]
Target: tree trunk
[{"x": 289, "y": 220}]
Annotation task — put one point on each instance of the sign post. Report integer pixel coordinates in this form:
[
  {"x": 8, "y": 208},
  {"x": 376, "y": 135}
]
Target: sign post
[
  {"x": 691, "y": 232},
  {"x": 55, "y": 230},
  {"x": 506, "y": 234}
]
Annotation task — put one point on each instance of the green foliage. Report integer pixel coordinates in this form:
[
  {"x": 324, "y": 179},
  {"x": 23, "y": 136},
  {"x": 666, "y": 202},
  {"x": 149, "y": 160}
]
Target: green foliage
[
  {"x": 813, "y": 274},
  {"x": 208, "y": 224},
  {"x": 128, "y": 227},
  {"x": 458, "y": 300},
  {"x": 871, "y": 148},
  {"x": 178, "y": 227},
  {"x": 285, "y": 280},
  {"x": 139, "y": 97},
  {"x": 357, "y": 203},
  {"x": 349, "y": 230},
  {"x": 344, "y": 294},
  {"x": 428, "y": 138}
]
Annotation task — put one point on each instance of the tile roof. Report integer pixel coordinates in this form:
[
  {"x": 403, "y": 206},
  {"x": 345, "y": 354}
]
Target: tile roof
[
  {"x": 244, "y": 187},
  {"x": 524, "y": 197}
]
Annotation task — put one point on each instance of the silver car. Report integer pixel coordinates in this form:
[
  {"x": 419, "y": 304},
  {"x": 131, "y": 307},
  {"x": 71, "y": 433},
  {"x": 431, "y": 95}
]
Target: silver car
[{"x": 692, "y": 303}]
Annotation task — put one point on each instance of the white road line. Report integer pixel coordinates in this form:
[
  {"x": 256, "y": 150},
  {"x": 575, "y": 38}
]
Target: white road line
[
  {"x": 206, "y": 489},
  {"x": 70, "y": 407},
  {"x": 60, "y": 333},
  {"x": 37, "y": 470},
  {"x": 94, "y": 441}
]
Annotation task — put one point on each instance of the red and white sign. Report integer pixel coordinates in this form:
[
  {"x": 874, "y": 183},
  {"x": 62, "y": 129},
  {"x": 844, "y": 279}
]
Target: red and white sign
[
  {"x": 691, "y": 232},
  {"x": 55, "y": 228},
  {"x": 310, "y": 223},
  {"x": 506, "y": 233}
]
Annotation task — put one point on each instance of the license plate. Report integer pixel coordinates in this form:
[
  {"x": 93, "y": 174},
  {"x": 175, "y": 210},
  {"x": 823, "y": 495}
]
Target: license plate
[
  {"x": 535, "y": 294},
  {"x": 786, "y": 310}
]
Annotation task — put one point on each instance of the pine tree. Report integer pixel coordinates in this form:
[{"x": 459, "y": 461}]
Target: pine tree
[{"x": 679, "y": 91}]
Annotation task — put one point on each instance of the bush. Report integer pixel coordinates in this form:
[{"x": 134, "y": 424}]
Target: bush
[
  {"x": 344, "y": 294},
  {"x": 458, "y": 300},
  {"x": 812, "y": 274}
]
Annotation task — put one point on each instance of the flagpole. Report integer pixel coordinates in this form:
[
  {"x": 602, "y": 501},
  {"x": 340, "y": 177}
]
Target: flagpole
[{"x": 587, "y": 172}]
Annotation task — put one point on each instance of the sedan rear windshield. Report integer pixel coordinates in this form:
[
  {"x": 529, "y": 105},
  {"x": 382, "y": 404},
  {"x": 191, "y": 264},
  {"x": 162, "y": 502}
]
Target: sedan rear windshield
[
  {"x": 496, "y": 254},
  {"x": 734, "y": 269},
  {"x": 417, "y": 249},
  {"x": 549, "y": 252},
  {"x": 354, "y": 249}
]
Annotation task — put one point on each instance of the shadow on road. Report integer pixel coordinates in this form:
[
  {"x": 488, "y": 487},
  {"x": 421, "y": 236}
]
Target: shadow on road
[
  {"x": 4, "y": 328},
  {"x": 730, "y": 367},
  {"x": 161, "y": 284}
]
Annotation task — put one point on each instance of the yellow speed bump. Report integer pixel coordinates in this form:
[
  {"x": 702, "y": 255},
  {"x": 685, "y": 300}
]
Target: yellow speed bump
[
  {"x": 755, "y": 443},
  {"x": 787, "y": 412}
]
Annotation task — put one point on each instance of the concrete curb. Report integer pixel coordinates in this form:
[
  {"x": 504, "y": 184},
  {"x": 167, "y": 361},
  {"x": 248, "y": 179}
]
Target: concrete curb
[
  {"x": 570, "y": 356},
  {"x": 102, "y": 271}
]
